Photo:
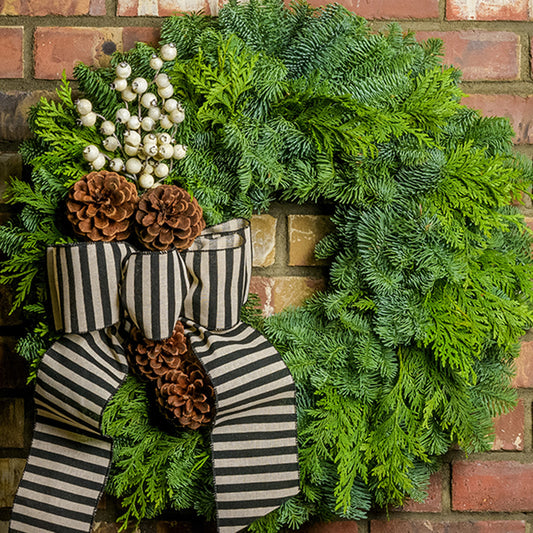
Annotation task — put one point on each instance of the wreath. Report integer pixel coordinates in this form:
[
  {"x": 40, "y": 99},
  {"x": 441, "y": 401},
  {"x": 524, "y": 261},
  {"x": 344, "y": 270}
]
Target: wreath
[{"x": 410, "y": 348}]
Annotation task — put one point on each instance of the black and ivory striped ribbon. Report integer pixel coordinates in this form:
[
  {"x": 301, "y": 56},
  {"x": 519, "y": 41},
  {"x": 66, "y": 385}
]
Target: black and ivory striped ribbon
[{"x": 92, "y": 286}]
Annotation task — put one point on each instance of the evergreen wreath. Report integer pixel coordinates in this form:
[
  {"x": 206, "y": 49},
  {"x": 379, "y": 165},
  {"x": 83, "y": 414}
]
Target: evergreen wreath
[{"x": 410, "y": 349}]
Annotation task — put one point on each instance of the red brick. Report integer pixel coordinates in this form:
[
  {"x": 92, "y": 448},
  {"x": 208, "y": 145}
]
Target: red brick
[
  {"x": 517, "y": 108},
  {"x": 36, "y": 8},
  {"x": 509, "y": 430},
  {"x": 429, "y": 526},
  {"x": 505, "y": 486},
  {"x": 57, "y": 49},
  {"x": 524, "y": 366},
  {"x": 13, "y": 369},
  {"x": 344, "y": 526},
  {"x": 480, "y": 55},
  {"x": 165, "y": 8},
  {"x": 433, "y": 502},
  {"x": 14, "y": 107},
  {"x": 140, "y": 34},
  {"x": 11, "y": 44},
  {"x": 389, "y": 9},
  {"x": 486, "y": 10},
  {"x": 277, "y": 293},
  {"x": 11, "y": 422}
]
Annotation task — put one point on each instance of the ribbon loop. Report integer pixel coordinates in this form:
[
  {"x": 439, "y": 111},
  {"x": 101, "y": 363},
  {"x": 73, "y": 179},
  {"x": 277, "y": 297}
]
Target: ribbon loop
[{"x": 153, "y": 290}]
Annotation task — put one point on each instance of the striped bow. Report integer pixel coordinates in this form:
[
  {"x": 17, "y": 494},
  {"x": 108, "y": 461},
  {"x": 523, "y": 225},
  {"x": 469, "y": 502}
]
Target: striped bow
[{"x": 94, "y": 288}]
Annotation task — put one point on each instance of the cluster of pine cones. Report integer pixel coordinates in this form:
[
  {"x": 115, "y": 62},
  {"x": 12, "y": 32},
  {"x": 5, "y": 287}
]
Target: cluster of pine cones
[
  {"x": 182, "y": 388},
  {"x": 104, "y": 206}
]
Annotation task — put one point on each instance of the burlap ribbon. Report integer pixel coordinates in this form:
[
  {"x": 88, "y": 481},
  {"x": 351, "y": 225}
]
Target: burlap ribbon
[{"x": 94, "y": 287}]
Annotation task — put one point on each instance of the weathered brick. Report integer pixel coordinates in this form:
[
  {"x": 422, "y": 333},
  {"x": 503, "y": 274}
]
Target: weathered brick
[
  {"x": 264, "y": 240},
  {"x": 304, "y": 233},
  {"x": 10, "y": 165},
  {"x": 36, "y": 8},
  {"x": 517, "y": 108},
  {"x": 429, "y": 526},
  {"x": 140, "y": 34},
  {"x": 165, "y": 8},
  {"x": 277, "y": 293},
  {"x": 389, "y": 9},
  {"x": 11, "y": 44},
  {"x": 487, "y": 10},
  {"x": 58, "y": 49},
  {"x": 509, "y": 430},
  {"x": 14, "y": 107},
  {"x": 10, "y": 474},
  {"x": 344, "y": 526},
  {"x": 113, "y": 527},
  {"x": 505, "y": 486},
  {"x": 13, "y": 369},
  {"x": 524, "y": 366},
  {"x": 11, "y": 422},
  {"x": 481, "y": 55},
  {"x": 433, "y": 502}
]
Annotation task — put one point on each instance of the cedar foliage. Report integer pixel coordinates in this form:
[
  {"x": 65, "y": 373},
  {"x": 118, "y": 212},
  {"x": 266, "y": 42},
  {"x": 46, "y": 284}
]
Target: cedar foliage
[{"x": 411, "y": 347}]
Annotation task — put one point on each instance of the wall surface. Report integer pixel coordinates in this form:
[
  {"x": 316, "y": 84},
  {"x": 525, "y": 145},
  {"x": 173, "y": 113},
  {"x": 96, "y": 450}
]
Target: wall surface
[{"x": 489, "y": 40}]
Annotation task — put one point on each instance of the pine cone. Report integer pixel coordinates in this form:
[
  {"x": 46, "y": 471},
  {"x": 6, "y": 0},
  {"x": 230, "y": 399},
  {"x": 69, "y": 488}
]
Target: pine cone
[
  {"x": 168, "y": 217},
  {"x": 151, "y": 359},
  {"x": 186, "y": 395},
  {"x": 100, "y": 206}
]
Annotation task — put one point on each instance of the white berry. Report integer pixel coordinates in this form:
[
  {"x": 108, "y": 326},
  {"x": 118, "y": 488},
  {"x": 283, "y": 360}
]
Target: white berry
[
  {"x": 166, "y": 123},
  {"x": 148, "y": 168},
  {"x": 149, "y": 100},
  {"x": 123, "y": 70},
  {"x": 177, "y": 116},
  {"x": 161, "y": 170},
  {"x": 163, "y": 138},
  {"x": 110, "y": 143},
  {"x": 166, "y": 151},
  {"x": 146, "y": 181},
  {"x": 116, "y": 164},
  {"x": 154, "y": 113},
  {"x": 99, "y": 162},
  {"x": 90, "y": 153},
  {"x": 133, "y": 165},
  {"x": 84, "y": 106},
  {"x": 89, "y": 119},
  {"x": 119, "y": 84},
  {"x": 168, "y": 52},
  {"x": 147, "y": 124},
  {"x": 180, "y": 151},
  {"x": 165, "y": 92},
  {"x": 139, "y": 85},
  {"x": 107, "y": 127},
  {"x": 156, "y": 62},
  {"x": 170, "y": 105},
  {"x": 128, "y": 95},
  {"x": 151, "y": 138},
  {"x": 122, "y": 115},
  {"x": 134, "y": 123},
  {"x": 132, "y": 137},
  {"x": 150, "y": 150},
  {"x": 161, "y": 80},
  {"x": 131, "y": 150}
]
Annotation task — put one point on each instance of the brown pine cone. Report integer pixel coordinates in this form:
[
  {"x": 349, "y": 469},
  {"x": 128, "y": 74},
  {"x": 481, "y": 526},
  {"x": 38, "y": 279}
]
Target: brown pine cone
[
  {"x": 100, "y": 206},
  {"x": 186, "y": 395},
  {"x": 167, "y": 217},
  {"x": 151, "y": 359}
]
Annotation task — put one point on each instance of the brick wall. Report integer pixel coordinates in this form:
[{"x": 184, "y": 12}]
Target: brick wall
[{"x": 490, "y": 40}]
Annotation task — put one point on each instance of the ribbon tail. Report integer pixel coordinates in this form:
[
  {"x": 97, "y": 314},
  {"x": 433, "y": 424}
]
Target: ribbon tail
[
  {"x": 254, "y": 439},
  {"x": 69, "y": 457}
]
